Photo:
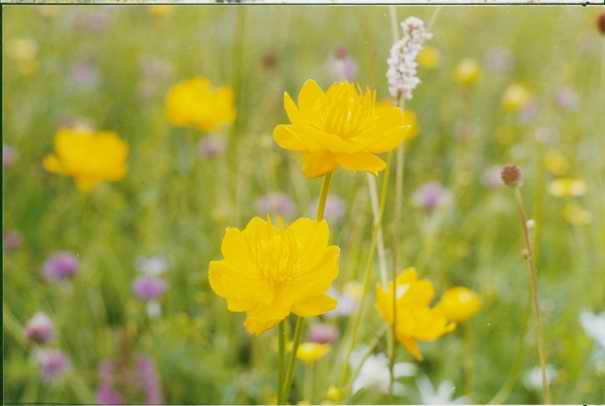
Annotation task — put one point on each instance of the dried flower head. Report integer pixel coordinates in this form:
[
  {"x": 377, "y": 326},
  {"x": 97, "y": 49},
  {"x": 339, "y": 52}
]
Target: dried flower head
[
  {"x": 342, "y": 126},
  {"x": 270, "y": 271},
  {"x": 511, "y": 175},
  {"x": 401, "y": 74},
  {"x": 601, "y": 23}
]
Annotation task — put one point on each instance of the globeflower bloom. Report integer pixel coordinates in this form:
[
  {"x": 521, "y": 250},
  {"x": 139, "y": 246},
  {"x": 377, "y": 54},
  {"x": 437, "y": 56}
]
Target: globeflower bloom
[
  {"x": 342, "y": 126},
  {"x": 467, "y": 72},
  {"x": 567, "y": 187},
  {"x": 459, "y": 304},
  {"x": 311, "y": 352},
  {"x": 89, "y": 157},
  {"x": 415, "y": 319},
  {"x": 197, "y": 104},
  {"x": 270, "y": 271}
]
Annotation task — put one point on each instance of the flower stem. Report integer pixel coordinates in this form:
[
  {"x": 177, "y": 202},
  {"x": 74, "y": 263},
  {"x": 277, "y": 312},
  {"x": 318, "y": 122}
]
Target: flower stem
[
  {"x": 533, "y": 284},
  {"x": 285, "y": 392},
  {"x": 282, "y": 353},
  {"x": 323, "y": 196}
]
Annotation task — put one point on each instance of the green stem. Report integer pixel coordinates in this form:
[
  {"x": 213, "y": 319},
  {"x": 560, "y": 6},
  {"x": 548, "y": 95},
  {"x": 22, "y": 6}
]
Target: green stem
[
  {"x": 533, "y": 284},
  {"x": 323, "y": 196},
  {"x": 282, "y": 353},
  {"x": 285, "y": 392}
]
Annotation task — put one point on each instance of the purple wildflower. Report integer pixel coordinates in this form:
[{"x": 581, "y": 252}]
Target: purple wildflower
[
  {"x": 143, "y": 377},
  {"x": 431, "y": 196},
  {"x": 8, "y": 156},
  {"x": 39, "y": 328},
  {"x": 150, "y": 381},
  {"x": 323, "y": 333},
  {"x": 568, "y": 99},
  {"x": 53, "y": 364},
  {"x": 276, "y": 203},
  {"x": 211, "y": 146},
  {"x": 12, "y": 240},
  {"x": 341, "y": 67},
  {"x": 60, "y": 266},
  {"x": 148, "y": 287},
  {"x": 85, "y": 75}
]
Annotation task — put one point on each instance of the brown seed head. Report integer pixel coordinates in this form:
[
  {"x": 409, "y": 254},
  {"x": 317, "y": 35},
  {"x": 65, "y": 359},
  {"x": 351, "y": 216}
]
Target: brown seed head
[
  {"x": 511, "y": 175},
  {"x": 601, "y": 23}
]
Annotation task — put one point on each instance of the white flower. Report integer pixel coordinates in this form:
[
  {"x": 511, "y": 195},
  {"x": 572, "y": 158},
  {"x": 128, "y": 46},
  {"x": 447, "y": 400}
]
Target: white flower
[
  {"x": 533, "y": 377},
  {"x": 151, "y": 265},
  {"x": 374, "y": 372},
  {"x": 443, "y": 394},
  {"x": 402, "y": 74},
  {"x": 594, "y": 326}
]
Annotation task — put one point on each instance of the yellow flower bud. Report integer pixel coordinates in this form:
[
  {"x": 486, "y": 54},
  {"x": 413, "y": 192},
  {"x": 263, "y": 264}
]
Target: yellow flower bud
[
  {"x": 312, "y": 352},
  {"x": 459, "y": 304},
  {"x": 467, "y": 72},
  {"x": 516, "y": 97}
]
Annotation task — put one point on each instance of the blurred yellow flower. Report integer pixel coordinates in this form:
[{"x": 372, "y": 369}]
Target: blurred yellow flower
[
  {"x": 556, "y": 163},
  {"x": 196, "y": 103},
  {"x": 415, "y": 320},
  {"x": 340, "y": 127},
  {"x": 408, "y": 119},
  {"x": 24, "y": 52},
  {"x": 576, "y": 215},
  {"x": 270, "y": 271},
  {"x": 334, "y": 394},
  {"x": 516, "y": 97},
  {"x": 310, "y": 352},
  {"x": 159, "y": 10},
  {"x": 428, "y": 58},
  {"x": 88, "y": 156},
  {"x": 567, "y": 187},
  {"x": 467, "y": 72},
  {"x": 459, "y": 304}
]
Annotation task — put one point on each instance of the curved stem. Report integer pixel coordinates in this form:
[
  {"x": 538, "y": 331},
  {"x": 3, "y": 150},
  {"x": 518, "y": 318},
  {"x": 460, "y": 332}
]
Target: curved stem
[
  {"x": 533, "y": 284},
  {"x": 323, "y": 196}
]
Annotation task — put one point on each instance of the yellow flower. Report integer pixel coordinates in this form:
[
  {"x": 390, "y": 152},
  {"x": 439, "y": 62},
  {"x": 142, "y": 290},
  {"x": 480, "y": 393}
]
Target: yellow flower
[
  {"x": 428, "y": 58},
  {"x": 196, "y": 103},
  {"x": 311, "y": 352},
  {"x": 408, "y": 119},
  {"x": 270, "y": 271},
  {"x": 90, "y": 157},
  {"x": 340, "y": 127},
  {"x": 415, "y": 320},
  {"x": 159, "y": 10},
  {"x": 467, "y": 72},
  {"x": 567, "y": 187},
  {"x": 556, "y": 163},
  {"x": 333, "y": 394},
  {"x": 576, "y": 215},
  {"x": 516, "y": 98},
  {"x": 459, "y": 304}
]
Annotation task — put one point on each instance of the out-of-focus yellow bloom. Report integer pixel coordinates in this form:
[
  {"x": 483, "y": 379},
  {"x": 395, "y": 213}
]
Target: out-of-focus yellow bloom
[
  {"x": 467, "y": 72},
  {"x": 334, "y": 394},
  {"x": 88, "y": 156},
  {"x": 159, "y": 10},
  {"x": 567, "y": 187},
  {"x": 23, "y": 52},
  {"x": 408, "y": 119},
  {"x": 415, "y": 319},
  {"x": 428, "y": 58},
  {"x": 196, "y": 103},
  {"x": 353, "y": 289},
  {"x": 342, "y": 126},
  {"x": 556, "y": 163},
  {"x": 516, "y": 98},
  {"x": 270, "y": 271},
  {"x": 459, "y": 304},
  {"x": 576, "y": 215},
  {"x": 310, "y": 352}
]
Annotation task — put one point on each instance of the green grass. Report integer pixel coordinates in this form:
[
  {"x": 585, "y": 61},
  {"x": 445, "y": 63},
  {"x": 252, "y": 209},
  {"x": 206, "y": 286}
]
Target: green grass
[{"x": 175, "y": 204}]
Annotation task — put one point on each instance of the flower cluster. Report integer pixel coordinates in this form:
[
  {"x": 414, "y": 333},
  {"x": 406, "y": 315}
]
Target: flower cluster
[{"x": 402, "y": 75}]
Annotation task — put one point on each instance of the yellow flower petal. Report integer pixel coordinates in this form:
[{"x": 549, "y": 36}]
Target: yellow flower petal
[
  {"x": 318, "y": 164},
  {"x": 314, "y": 306},
  {"x": 361, "y": 161}
]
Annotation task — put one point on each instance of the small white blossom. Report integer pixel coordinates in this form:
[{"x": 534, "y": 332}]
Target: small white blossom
[
  {"x": 533, "y": 377},
  {"x": 402, "y": 75},
  {"x": 441, "y": 396},
  {"x": 594, "y": 326},
  {"x": 151, "y": 265},
  {"x": 374, "y": 372}
]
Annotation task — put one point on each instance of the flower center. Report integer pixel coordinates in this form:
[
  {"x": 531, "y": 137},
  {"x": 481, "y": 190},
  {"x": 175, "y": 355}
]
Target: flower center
[{"x": 277, "y": 258}]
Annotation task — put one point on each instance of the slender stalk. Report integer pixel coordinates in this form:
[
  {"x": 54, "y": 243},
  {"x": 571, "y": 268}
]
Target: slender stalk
[
  {"x": 284, "y": 393},
  {"x": 533, "y": 284},
  {"x": 282, "y": 355},
  {"x": 367, "y": 273}
]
